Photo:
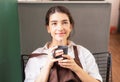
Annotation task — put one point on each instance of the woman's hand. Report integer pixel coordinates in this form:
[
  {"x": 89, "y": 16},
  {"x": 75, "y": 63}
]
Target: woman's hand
[
  {"x": 50, "y": 56},
  {"x": 69, "y": 63},
  {"x": 44, "y": 73}
]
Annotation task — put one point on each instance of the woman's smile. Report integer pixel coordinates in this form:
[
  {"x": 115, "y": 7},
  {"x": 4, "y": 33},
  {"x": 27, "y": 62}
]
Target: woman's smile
[{"x": 61, "y": 33}]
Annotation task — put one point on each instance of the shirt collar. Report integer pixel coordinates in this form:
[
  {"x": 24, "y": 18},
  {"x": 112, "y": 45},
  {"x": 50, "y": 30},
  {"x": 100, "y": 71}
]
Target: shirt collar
[{"x": 71, "y": 43}]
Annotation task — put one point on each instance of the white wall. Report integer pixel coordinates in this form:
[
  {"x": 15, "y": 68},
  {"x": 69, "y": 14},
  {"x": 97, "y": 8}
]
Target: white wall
[{"x": 114, "y": 12}]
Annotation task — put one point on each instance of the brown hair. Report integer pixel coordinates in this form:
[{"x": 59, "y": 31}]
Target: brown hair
[{"x": 60, "y": 9}]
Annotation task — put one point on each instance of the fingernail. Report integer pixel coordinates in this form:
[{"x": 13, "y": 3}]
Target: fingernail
[{"x": 61, "y": 58}]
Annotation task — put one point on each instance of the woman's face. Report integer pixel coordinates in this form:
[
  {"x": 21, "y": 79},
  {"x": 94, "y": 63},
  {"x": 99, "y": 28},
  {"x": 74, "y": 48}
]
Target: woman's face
[{"x": 59, "y": 26}]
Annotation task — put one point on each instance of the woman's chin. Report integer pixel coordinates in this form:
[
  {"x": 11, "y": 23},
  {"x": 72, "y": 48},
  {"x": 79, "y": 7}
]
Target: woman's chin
[{"x": 60, "y": 39}]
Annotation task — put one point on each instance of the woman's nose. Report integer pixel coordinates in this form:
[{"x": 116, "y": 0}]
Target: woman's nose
[{"x": 60, "y": 27}]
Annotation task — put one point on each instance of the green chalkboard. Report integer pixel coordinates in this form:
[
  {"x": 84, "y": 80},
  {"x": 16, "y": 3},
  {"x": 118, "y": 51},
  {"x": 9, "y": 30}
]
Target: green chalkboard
[{"x": 10, "y": 66}]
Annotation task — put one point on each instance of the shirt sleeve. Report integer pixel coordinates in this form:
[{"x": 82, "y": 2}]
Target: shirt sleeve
[
  {"x": 93, "y": 68},
  {"x": 90, "y": 64},
  {"x": 32, "y": 69}
]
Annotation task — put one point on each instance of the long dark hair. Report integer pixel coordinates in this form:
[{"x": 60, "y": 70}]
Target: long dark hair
[{"x": 60, "y": 9}]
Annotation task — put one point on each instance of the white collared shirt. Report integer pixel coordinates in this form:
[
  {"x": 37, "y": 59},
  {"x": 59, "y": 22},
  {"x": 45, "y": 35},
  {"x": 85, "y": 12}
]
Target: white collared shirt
[{"x": 86, "y": 58}]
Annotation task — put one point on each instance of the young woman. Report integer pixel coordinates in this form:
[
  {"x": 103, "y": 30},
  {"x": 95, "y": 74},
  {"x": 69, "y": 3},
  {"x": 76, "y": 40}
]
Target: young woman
[{"x": 59, "y": 23}]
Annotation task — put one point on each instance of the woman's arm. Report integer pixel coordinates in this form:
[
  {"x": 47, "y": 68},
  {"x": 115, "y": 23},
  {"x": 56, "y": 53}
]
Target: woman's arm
[
  {"x": 84, "y": 76},
  {"x": 44, "y": 73},
  {"x": 71, "y": 64}
]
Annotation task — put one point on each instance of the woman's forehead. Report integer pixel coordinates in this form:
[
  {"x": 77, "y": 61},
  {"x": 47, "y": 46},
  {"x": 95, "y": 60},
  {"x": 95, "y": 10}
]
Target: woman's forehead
[{"x": 59, "y": 16}]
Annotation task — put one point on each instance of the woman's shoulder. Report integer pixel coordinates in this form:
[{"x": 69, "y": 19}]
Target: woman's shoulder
[
  {"x": 41, "y": 49},
  {"x": 37, "y": 55},
  {"x": 38, "y": 50},
  {"x": 83, "y": 50},
  {"x": 71, "y": 43},
  {"x": 80, "y": 47}
]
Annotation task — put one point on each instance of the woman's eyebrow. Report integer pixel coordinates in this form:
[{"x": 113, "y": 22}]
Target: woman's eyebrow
[
  {"x": 65, "y": 20},
  {"x": 53, "y": 21},
  {"x": 61, "y": 20}
]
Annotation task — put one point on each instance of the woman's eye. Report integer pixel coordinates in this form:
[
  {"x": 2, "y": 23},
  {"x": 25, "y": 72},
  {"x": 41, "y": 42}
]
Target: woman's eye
[
  {"x": 54, "y": 23},
  {"x": 65, "y": 22}
]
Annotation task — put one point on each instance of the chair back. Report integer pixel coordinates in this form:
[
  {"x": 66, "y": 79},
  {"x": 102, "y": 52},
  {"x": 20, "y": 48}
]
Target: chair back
[
  {"x": 102, "y": 59},
  {"x": 104, "y": 64},
  {"x": 24, "y": 59}
]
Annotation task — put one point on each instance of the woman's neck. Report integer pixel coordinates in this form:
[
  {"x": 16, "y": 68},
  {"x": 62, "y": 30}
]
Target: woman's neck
[{"x": 56, "y": 43}]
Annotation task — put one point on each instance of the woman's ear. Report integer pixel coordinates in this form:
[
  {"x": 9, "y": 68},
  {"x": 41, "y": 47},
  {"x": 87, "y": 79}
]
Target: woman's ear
[
  {"x": 71, "y": 27},
  {"x": 48, "y": 29}
]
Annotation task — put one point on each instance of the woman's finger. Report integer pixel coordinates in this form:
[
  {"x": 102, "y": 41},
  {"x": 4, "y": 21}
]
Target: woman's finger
[
  {"x": 66, "y": 56},
  {"x": 51, "y": 50},
  {"x": 58, "y": 52},
  {"x": 57, "y": 59}
]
